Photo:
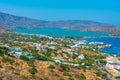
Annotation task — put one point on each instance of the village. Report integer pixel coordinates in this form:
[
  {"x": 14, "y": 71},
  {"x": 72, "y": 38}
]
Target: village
[
  {"x": 67, "y": 46},
  {"x": 75, "y": 53},
  {"x": 113, "y": 66}
]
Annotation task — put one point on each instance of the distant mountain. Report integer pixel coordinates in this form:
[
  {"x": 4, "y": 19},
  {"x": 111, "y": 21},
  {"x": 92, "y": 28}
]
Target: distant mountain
[
  {"x": 12, "y": 21},
  {"x": 8, "y": 21}
]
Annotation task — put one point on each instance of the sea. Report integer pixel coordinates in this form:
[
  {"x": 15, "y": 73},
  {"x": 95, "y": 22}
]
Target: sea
[
  {"x": 115, "y": 49},
  {"x": 59, "y": 32},
  {"x": 103, "y": 37}
]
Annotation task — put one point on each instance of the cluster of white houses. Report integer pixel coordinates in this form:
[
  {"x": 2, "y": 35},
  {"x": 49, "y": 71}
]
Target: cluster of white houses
[
  {"x": 113, "y": 66},
  {"x": 17, "y": 51},
  {"x": 72, "y": 49}
]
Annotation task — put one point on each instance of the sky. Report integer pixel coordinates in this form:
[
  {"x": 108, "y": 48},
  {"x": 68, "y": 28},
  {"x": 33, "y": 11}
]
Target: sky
[{"x": 106, "y": 11}]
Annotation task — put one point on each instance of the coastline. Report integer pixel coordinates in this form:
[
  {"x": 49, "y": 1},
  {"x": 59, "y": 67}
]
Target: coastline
[{"x": 81, "y": 38}]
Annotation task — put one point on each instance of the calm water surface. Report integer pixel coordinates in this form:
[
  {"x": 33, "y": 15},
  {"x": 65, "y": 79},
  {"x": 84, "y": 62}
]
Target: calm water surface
[
  {"x": 59, "y": 32},
  {"x": 115, "y": 49},
  {"x": 76, "y": 33}
]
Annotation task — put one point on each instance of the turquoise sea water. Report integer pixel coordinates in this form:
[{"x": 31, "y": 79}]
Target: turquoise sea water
[
  {"x": 115, "y": 49},
  {"x": 59, "y": 32}
]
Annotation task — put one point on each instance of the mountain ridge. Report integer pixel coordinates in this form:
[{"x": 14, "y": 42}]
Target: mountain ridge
[{"x": 8, "y": 21}]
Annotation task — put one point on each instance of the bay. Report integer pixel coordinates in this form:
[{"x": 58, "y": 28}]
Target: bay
[
  {"x": 59, "y": 32},
  {"x": 115, "y": 49}
]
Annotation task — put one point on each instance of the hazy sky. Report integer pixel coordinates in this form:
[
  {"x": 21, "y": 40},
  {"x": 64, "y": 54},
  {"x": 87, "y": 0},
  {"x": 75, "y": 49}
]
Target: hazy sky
[{"x": 107, "y": 11}]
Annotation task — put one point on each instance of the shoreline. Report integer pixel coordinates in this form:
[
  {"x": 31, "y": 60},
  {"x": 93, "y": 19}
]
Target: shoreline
[{"x": 75, "y": 37}]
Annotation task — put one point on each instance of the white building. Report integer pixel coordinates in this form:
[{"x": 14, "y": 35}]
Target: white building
[{"x": 81, "y": 56}]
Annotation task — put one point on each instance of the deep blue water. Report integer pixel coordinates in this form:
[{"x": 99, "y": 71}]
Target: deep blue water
[
  {"x": 59, "y": 32},
  {"x": 115, "y": 49}
]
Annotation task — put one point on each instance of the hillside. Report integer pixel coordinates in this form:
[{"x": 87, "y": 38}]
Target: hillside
[
  {"x": 11, "y": 21},
  {"x": 31, "y": 57},
  {"x": 8, "y": 21}
]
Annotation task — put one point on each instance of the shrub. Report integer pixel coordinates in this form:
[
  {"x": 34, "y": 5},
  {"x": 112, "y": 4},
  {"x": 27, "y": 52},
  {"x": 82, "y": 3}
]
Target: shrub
[
  {"x": 71, "y": 78},
  {"x": 64, "y": 67},
  {"x": 98, "y": 74},
  {"x": 65, "y": 73},
  {"x": 24, "y": 58},
  {"x": 3, "y": 50},
  {"x": 11, "y": 67},
  {"x": 30, "y": 63},
  {"x": 82, "y": 77},
  {"x": 103, "y": 62},
  {"x": 11, "y": 61},
  {"x": 5, "y": 59},
  {"x": 44, "y": 58},
  {"x": 17, "y": 64},
  {"x": 33, "y": 70},
  {"x": 51, "y": 66}
]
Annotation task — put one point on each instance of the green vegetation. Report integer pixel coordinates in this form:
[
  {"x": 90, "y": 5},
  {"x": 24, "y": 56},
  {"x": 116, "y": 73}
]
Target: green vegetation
[
  {"x": 98, "y": 74},
  {"x": 61, "y": 79},
  {"x": 71, "y": 78},
  {"x": 11, "y": 67},
  {"x": 103, "y": 62},
  {"x": 51, "y": 66},
  {"x": 65, "y": 73},
  {"x": 62, "y": 58},
  {"x": 24, "y": 58},
  {"x": 33, "y": 70},
  {"x": 3, "y": 51},
  {"x": 82, "y": 77},
  {"x": 6, "y": 59},
  {"x": 31, "y": 62}
]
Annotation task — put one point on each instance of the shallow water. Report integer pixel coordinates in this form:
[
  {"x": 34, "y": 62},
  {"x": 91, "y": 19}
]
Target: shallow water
[{"x": 59, "y": 32}]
